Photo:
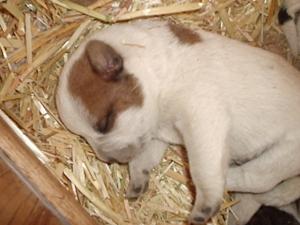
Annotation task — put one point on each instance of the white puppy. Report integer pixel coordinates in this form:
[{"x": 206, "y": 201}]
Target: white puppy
[{"x": 132, "y": 88}]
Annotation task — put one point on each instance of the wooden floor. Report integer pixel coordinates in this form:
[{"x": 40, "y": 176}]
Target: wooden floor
[{"x": 18, "y": 206}]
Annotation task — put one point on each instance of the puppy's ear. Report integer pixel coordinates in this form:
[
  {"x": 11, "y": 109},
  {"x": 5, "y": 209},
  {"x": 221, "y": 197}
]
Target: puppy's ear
[{"x": 104, "y": 60}]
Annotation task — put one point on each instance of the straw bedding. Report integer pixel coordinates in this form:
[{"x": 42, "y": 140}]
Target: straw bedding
[{"x": 36, "y": 39}]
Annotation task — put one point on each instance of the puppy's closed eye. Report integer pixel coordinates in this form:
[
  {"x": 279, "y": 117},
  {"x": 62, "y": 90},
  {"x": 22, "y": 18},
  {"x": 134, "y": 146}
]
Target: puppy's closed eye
[{"x": 105, "y": 125}]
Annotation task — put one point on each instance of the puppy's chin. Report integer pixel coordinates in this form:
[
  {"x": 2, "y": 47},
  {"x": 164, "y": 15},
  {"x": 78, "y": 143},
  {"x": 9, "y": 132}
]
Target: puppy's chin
[{"x": 112, "y": 154}]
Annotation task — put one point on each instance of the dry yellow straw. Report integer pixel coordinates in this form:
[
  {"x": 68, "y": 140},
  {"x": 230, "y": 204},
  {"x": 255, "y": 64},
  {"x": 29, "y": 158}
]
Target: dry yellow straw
[
  {"x": 99, "y": 4},
  {"x": 163, "y": 10},
  {"x": 93, "y": 198},
  {"x": 92, "y": 13},
  {"x": 14, "y": 10},
  {"x": 28, "y": 38}
]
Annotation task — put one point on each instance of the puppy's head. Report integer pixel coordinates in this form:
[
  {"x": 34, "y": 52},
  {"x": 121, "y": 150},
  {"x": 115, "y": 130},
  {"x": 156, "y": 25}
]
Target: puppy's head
[{"x": 106, "y": 102}]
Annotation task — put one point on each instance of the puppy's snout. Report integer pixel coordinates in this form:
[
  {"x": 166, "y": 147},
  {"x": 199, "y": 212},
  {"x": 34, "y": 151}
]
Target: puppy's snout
[
  {"x": 115, "y": 157},
  {"x": 111, "y": 160},
  {"x": 104, "y": 158}
]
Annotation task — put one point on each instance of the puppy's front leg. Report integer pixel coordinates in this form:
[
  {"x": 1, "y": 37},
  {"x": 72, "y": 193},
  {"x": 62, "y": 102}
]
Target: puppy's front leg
[
  {"x": 140, "y": 167},
  {"x": 205, "y": 132}
]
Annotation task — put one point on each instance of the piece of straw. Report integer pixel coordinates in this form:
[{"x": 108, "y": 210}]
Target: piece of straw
[
  {"x": 163, "y": 10},
  {"x": 85, "y": 10},
  {"x": 28, "y": 38}
]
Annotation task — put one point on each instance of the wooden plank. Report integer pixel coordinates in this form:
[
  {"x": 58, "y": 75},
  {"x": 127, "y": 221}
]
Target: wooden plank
[
  {"x": 61, "y": 202},
  {"x": 18, "y": 206}
]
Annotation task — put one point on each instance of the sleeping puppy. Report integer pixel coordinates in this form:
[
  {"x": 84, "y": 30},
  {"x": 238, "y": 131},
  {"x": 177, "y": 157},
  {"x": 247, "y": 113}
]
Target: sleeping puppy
[
  {"x": 288, "y": 18},
  {"x": 133, "y": 88}
]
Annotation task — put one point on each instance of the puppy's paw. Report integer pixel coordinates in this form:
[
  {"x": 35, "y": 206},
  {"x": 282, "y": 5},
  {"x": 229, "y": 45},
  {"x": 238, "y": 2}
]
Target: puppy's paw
[
  {"x": 137, "y": 187},
  {"x": 201, "y": 215}
]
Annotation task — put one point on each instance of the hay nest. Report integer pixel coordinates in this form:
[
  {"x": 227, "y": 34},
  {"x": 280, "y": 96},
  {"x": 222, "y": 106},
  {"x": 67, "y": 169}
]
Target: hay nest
[{"x": 36, "y": 40}]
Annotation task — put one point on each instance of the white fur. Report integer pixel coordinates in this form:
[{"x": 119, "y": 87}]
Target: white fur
[
  {"x": 282, "y": 196},
  {"x": 292, "y": 6},
  {"x": 291, "y": 28},
  {"x": 226, "y": 101}
]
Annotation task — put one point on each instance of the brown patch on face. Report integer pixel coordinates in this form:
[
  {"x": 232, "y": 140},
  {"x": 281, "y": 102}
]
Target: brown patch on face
[
  {"x": 84, "y": 2},
  {"x": 100, "y": 82},
  {"x": 184, "y": 34}
]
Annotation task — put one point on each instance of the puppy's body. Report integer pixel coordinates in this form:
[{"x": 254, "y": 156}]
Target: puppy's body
[
  {"x": 283, "y": 196},
  {"x": 225, "y": 101}
]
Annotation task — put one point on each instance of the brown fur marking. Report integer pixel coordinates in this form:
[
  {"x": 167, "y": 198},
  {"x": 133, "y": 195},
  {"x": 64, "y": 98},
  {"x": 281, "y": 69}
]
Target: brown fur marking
[
  {"x": 104, "y": 99},
  {"x": 184, "y": 34}
]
